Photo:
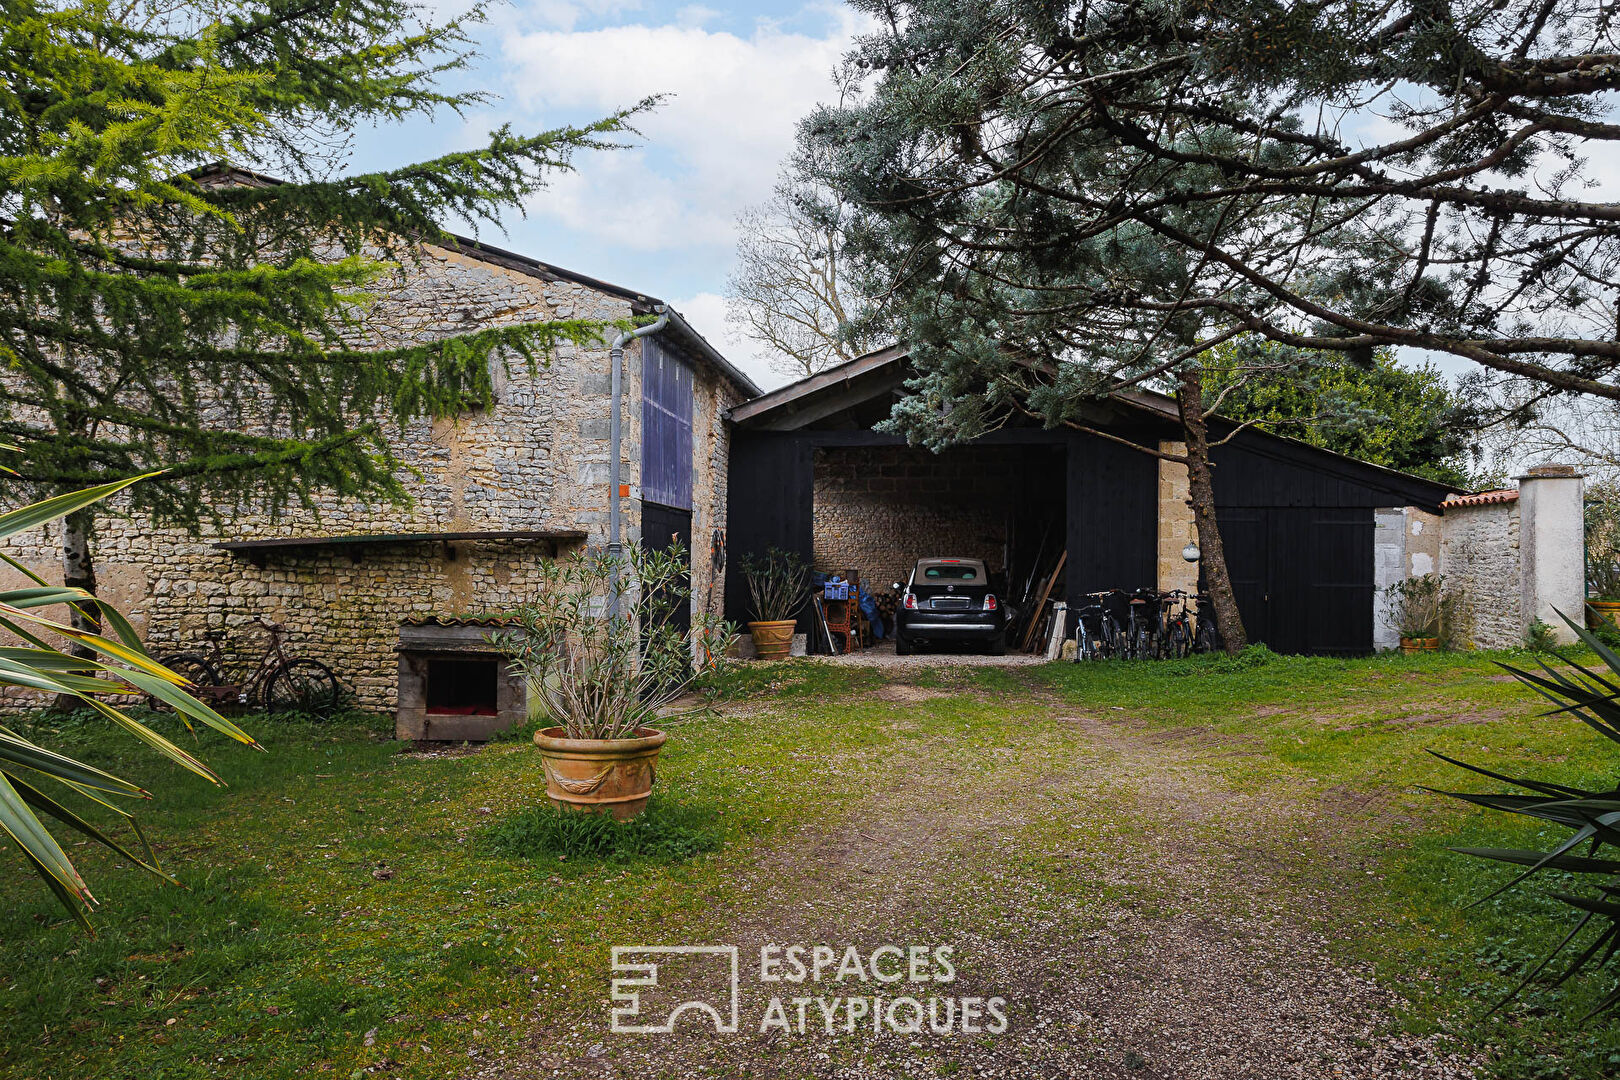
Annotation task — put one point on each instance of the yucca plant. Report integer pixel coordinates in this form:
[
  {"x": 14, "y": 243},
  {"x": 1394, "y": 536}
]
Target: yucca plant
[
  {"x": 776, "y": 584},
  {"x": 1592, "y": 817},
  {"x": 32, "y": 777}
]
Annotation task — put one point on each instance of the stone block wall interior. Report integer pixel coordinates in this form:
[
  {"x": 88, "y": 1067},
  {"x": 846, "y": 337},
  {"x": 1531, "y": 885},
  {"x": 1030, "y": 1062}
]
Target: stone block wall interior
[
  {"x": 878, "y": 509},
  {"x": 537, "y": 460}
]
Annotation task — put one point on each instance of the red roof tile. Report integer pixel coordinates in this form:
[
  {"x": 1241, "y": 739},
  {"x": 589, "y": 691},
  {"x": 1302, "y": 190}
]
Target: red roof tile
[{"x": 1484, "y": 498}]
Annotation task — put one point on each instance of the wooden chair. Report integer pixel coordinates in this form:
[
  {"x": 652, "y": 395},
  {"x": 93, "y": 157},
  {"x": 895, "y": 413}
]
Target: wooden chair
[{"x": 844, "y": 616}]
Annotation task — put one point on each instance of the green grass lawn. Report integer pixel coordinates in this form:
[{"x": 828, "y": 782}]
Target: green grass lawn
[{"x": 351, "y": 908}]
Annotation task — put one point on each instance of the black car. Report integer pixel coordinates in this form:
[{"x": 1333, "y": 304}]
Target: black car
[{"x": 949, "y": 600}]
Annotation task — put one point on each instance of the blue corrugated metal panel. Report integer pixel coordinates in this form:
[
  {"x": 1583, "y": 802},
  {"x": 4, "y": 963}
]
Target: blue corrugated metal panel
[{"x": 666, "y": 427}]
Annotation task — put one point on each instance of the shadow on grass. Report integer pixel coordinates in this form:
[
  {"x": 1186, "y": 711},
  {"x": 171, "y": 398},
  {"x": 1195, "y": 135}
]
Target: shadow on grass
[{"x": 665, "y": 833}]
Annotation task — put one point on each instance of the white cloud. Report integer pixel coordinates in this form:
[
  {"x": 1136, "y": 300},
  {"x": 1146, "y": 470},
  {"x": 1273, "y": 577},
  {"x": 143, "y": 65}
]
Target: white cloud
[
  {"x": 695, "y": 15},
  {"x": 707, "y": 314},
  {"x": 714, "y": 147},
  {"x": 566, "y": 14}
]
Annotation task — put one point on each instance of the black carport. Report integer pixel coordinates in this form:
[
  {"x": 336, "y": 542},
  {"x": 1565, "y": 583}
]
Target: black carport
[{"x": 1297, "y": 520}]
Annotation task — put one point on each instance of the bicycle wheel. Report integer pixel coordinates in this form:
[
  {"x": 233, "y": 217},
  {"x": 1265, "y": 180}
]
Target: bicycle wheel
[
  {"x": 195, "y": 667},
  {"x": 307, "y": 687},
  {"x": 1107, "y": 638},
  {"x": 1178, "y": 639},
  {"x": 1208, "y": 638}
]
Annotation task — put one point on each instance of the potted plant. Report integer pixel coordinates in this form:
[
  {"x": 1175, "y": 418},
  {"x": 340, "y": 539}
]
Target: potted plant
[
  {"x": 602, "y": 674},
  {"x": 1417, "y": 608},
  {"x": 776, "y": 591},
  {"x": 1603, "y": 563}
]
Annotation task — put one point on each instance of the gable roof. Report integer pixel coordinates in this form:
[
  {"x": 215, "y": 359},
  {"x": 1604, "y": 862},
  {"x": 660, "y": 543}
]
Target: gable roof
[
  {"x": 787, "y": 401},
  {"x": 883, "y": 371},
  {"x": 640, "y": 303}
]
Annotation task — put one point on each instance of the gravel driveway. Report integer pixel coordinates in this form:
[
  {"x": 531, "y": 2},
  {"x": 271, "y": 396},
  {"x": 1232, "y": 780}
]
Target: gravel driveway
[
  {"x": 882, "y": 655},
  {"x": 1133, "y": 910}
]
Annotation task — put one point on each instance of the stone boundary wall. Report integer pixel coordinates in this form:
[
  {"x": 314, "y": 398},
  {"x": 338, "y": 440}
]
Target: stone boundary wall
[
  {"x": 537, "y": 460},
  {"x": 1514, "y": 556},
  {"x": 1480, "y": 555},
  {"x": 1406, "y": 543}
]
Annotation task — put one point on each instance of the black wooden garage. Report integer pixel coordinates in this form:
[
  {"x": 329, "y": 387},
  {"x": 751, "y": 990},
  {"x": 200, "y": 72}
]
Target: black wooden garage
[{"x": 1297, "y": 520}]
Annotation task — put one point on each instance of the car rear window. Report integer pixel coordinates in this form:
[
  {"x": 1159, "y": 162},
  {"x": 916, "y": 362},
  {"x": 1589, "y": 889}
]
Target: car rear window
[{"x": 950, "y": 573}]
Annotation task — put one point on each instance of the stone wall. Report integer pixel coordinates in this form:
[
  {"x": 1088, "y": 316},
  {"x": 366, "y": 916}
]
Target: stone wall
[
  {"x": 1406, "y": 543},
  {"x": 1480, "y": 556},
  {"x": 1511, "y": 556},
  {"x": 711, "y": 457},
  {"x": 537, "y": 460},
  {"x": 878, "y": 509},
  {"x": 1176, "y": 524}
]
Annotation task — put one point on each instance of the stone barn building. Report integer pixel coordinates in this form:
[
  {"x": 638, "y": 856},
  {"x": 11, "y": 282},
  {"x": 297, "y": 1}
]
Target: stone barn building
[
  {"x": 391, "y": 597},
  {"x": 493, "y": 493}
]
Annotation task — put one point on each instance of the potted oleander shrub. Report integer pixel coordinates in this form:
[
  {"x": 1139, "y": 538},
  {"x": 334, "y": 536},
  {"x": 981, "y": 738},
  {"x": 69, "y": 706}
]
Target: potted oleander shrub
[
  {"x": 777, "y": 584},
  {"x": 604, "y": 674},
  {"x": 1603, "y": 563},
  {"x": 1417, "y": 607}
]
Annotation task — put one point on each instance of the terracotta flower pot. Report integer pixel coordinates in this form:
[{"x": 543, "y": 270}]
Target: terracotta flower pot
[
  {"x": 595, "y": 776},
  {"x": 1603, "y": 614},
  {"x": 772, "y": 640},
  {"x": 1419, "y": 644}
]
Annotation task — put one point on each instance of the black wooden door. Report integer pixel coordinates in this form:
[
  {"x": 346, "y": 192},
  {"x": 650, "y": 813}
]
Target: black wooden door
[
  {"x": 769, "y": 504},
  {"x": 1340, "y": 592},
  {"x": 1303, "y": 576},
  {"x": 662, "y": 526},
  {"x": 1246, "y": 537}
]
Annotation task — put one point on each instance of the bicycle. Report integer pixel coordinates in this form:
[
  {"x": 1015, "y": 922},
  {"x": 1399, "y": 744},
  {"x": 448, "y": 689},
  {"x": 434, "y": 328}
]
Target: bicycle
[
  {"x": 1175, "y": 631},
  {"x": 1096, "y": 635},
  {"x": 280, "y": 682},
  {"x": 1142, "y": 631},
  {"x": 1207, "y": 637}
]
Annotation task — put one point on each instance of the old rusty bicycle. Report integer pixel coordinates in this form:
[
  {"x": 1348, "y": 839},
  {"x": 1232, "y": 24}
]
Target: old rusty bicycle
[{"x": 272, "y": 678}]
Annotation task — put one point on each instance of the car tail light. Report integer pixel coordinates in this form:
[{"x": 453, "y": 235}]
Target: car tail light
[
  {"x": 989, "y": 601},
  {"x": 910, "y": 601}
]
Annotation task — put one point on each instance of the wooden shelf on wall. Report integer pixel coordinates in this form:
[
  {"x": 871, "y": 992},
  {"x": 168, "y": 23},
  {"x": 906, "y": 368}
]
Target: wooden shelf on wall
[{"x": 257, "y": 551}]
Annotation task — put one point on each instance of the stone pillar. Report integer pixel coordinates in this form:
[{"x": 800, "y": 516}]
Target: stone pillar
[
  {"x": 1552, "y": 547},
  {"x": 1176, "y": 526}
]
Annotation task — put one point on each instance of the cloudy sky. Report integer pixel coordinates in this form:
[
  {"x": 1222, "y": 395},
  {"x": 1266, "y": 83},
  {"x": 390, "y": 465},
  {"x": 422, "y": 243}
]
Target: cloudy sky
[{"x": 658, "y": 217}]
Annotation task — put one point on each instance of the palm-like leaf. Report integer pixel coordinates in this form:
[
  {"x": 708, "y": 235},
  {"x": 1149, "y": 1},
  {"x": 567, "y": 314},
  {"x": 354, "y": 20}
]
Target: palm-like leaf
[
  {"x": 1591, "y": 816},
  {"x": 120, "y": 665}
]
